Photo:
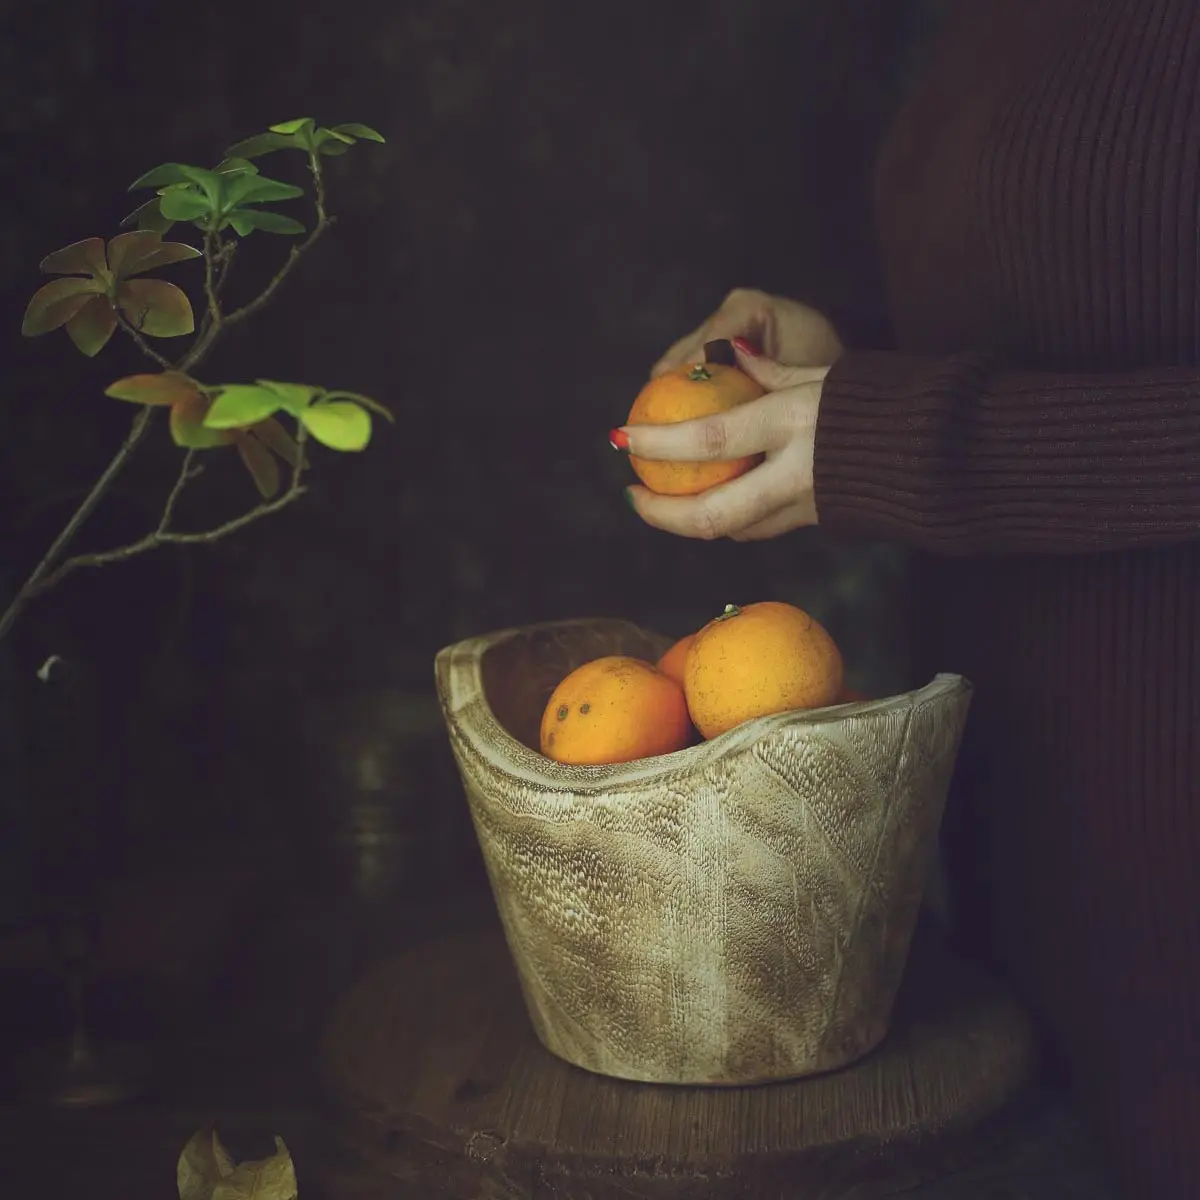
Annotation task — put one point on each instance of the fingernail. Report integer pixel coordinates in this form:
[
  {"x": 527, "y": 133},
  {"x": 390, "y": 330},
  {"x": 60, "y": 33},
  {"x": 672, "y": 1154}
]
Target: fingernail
[
  {"x": 720, "y": 351},
  {"x": 618, "y": 439},
  {"x": 747, "y": 347}
]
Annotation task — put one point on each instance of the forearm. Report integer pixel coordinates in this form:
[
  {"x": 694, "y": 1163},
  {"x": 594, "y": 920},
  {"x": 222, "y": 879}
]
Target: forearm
[{"x": 953, "y": 456}]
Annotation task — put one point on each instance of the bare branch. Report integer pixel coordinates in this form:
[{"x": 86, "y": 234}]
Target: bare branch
[
  {"x": 187, "y": 472},
  {"x": 143, "y": 345},
  {"x": 152, "y": 541},
  {"x": 324, "y": 222},
  {"x": 36, "y": 581}
]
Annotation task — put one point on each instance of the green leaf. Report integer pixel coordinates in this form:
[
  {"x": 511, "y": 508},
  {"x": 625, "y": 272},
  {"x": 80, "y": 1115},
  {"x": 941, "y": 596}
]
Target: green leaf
[
  {"x": 209, "y": 182},
  {"x": 354, "y": 129},
  {"x": 184, "y": 204},
  {"x": 92, "y": 326},
  {"x": 262, "y": 143},
  {"x": 275, "y": 437},
  {"x": 148, "y": 217},
  {"x": 132, "y": 253},
  {"x": 49, "y": 307},
  {"x": 323, "y": 135},
  {"x": 340, "y": 425},
  {"x": 293, "y": 127},
  {"x": 239, "y": 405},
  {"x": 260, "y": 463},
  {"x": 245, "y": 220},
  {"x": 294, "y": 398},
  {"x": 188, "y": 428},
  {"x": 365, "y": 401},
  {"x": 161, "y": 176},
  {"x": 156, "y": 308},
  {"x": 160, "y": 390},
  {"x": 79, "y": 258},
  {"x": 258, "y": 189},
  {"x": 332, "y": 147},
  {"x": 235, "y": 166}
]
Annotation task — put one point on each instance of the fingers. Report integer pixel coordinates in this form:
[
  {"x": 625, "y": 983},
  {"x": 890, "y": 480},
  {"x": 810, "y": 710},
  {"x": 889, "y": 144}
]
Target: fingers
[
  {"x": 721, "y": 511},
  {"x": 768, "y": 423},
  {"x": 774, "y": 376},
  {"x": 798, "y": 515},
  {"x": 745, "y": 312}
]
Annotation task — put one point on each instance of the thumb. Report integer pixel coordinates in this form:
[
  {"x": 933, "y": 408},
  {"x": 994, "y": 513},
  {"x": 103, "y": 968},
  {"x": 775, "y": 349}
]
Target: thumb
[{"x": 771, "y": 375}]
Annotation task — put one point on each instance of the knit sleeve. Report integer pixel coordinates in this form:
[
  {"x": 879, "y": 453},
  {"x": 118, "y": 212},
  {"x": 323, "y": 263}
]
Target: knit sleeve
[{"x": 957, "y": 456}]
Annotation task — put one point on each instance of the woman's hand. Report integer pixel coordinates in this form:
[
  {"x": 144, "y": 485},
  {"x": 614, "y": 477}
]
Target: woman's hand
[
  {"x": 774, "y": 497},
  {"x": 784, "y": 330}
]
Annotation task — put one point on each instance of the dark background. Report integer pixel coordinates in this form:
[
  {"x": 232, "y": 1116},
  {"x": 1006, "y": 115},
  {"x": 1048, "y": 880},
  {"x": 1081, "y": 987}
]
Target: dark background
[
  {"x": 247, "y": 788},
  {"x": 565, "y": 190}
]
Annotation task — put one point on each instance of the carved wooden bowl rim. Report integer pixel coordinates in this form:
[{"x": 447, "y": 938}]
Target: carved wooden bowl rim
[{"x": 470, "y": 717}]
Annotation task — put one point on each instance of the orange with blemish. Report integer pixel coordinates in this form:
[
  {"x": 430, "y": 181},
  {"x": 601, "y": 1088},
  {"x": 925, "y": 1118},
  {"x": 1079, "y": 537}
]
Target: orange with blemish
[{"x": 615, "y": 709}]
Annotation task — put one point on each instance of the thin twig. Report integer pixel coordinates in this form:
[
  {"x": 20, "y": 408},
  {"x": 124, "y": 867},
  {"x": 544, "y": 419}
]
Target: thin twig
[
  {"x": 187, "y": 472},
  {"x": 152, "y": 541},
  {"x": 225, "y": 261},
  {"x": 36, "y": 581},
  {"x": 324, "y": 222},
  {"x": 143, "y": 345},
  {"x": 45, "y": 575},
  {"x": 163, "y": 536}
]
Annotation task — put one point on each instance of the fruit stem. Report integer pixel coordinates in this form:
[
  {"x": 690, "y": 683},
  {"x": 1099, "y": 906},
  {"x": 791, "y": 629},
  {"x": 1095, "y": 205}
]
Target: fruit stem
[
  {"x": 699, "y": 372},
  {"x": 731, "y": 610}
]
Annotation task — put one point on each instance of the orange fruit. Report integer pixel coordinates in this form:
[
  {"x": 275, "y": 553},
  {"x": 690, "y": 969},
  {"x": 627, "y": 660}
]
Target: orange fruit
[
  {"x": 687, "y": 392},
  {"x": 751, "y": 662},
  {"x": 615, "y": 709},
  {"x": 671, "y": 663},
  {"x": 852, "y": 696}
]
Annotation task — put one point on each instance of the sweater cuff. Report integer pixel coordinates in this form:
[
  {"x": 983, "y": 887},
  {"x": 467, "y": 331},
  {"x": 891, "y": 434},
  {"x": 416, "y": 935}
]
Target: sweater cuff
[{"x": 881, "y": 468}]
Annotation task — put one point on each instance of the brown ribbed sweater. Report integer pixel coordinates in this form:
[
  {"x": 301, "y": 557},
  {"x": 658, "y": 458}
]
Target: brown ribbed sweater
[{"x": 1035, "y": 436}]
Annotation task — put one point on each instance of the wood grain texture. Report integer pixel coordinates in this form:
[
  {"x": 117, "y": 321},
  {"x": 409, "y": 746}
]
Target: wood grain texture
[
  {"x": 441, "y": 1084},
  {"x": 736, "y": 912}
]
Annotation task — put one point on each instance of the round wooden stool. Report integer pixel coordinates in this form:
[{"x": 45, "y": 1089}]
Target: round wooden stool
[{"x": 440, "y": 1084}]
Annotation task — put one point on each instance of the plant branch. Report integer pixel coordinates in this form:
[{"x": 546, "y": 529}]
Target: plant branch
[
  {"x": 36, "y": 582},
  {"x": 187, "y": 472},
  {"x": 164, "y": 536},
  {"x": 218, "y": 257},
  {"x": 324, "y": 221},
  {"x": 160, "y": 537},
  {"x": 143, "y": 345}
]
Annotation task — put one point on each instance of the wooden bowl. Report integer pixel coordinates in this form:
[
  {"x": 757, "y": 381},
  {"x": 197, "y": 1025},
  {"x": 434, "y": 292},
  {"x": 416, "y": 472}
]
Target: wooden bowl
[{"x": 736, "y": 912}]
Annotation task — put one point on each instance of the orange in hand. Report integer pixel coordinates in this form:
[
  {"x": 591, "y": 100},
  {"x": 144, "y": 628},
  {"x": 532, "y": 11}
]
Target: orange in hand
[
  {"x": 615, "y": 709},
  {"x": 683, "y": 394},
  {"x": 754, "y": 661}
]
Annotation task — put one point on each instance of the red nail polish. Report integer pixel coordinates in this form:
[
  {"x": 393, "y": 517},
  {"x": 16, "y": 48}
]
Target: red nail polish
[
  {"x": 747, "y": 347},
  {"x": 618, "y": 439}
]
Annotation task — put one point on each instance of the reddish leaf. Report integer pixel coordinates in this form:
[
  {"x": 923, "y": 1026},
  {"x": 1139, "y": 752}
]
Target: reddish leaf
[
  {"x": 275, "y": 437},
  {"x": 143, "y": 250},
  {"x": 79, "y": 258},
  {"x": 188, "y": 428},
  {"x": 260, "y": 464},
  {"x": 49, "y": 308},
  {"x": 165, "y": 388},
  {"x": 92, "y": 326},
  {"x": 156, "y": 308}
]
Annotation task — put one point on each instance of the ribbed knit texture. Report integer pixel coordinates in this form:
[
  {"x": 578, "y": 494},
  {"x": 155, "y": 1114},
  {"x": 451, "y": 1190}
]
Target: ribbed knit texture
[{"x": 1035, "y": 436}]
